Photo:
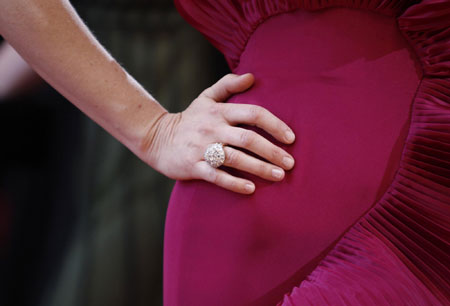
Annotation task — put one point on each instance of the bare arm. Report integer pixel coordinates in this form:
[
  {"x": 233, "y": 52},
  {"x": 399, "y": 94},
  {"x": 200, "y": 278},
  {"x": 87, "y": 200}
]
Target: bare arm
[
  {"x": 16, "y": 76},
  {"x": 51, "y": 37}
]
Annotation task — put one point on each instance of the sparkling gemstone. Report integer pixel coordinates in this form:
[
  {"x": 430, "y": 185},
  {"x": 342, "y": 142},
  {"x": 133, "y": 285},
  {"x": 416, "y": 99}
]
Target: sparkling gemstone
[{"x": 215, "y": 155}]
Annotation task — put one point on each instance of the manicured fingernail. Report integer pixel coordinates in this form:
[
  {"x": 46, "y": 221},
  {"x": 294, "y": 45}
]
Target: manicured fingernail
[
  {"x": 277, "y": 173},
  {"x": 288, "y": 162},
  {"x": 289, "y": 136},
  {"x": 249, "y": 187}
]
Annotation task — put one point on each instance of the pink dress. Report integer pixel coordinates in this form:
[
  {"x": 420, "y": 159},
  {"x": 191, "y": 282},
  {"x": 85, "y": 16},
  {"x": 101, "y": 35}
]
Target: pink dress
[{"x": 364, "y": 216}]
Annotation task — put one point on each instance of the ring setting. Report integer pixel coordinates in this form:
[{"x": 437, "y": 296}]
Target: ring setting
[{"x": 215, "y": 155}]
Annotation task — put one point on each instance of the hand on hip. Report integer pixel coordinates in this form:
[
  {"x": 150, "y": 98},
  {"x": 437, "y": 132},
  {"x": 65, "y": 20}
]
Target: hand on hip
[{"x": 176, "y": 144}]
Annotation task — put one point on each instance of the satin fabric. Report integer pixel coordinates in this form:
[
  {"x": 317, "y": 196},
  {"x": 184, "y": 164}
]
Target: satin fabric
[{"x": 363, "y": 218}]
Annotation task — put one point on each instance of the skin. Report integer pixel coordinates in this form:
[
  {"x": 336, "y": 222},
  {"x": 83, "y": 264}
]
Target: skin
[
  {"x": 51, "y": 37},
  {"x": 16, "y": 76}
]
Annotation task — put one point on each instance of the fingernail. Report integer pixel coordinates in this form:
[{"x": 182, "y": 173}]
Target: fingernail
[
  {"x": 277, "y": 173},
  {"x": 290, "y": 137},
  {"x": 288, "y": 162},
  {"x": 249, "y": 187}
]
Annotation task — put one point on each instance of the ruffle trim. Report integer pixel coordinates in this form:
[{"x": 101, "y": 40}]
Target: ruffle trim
[
  {"x": 399, "y": 252},
  {"x": 400, "y": 249},
  {"x": 427, "y": 27},
  {"x": 228, "y": 24}
]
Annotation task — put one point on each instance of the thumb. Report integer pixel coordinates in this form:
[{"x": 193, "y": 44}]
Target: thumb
[{"x": 228, "y": 85}]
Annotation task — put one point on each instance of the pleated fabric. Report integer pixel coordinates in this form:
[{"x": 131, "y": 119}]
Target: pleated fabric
[
  {"x": 398, "y": 253},
  {"x": 229, "y": 24}
]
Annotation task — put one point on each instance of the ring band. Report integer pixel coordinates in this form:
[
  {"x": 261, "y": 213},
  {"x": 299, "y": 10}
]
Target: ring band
[{"x": 215, "y": 155}]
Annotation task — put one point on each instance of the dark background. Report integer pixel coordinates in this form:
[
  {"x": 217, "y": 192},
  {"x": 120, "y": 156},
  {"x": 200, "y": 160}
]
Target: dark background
[{"x": 82, "y": 218}]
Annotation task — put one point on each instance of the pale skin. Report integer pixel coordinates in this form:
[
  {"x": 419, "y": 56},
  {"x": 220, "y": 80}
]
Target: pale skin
[
  {"x": 16, "y": 76},
  {"x": 51, "y": 37}
]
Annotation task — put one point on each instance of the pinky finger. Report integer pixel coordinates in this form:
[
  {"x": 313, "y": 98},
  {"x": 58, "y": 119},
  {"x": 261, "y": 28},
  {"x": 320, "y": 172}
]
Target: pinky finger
[{"x": 223, "y": 179}]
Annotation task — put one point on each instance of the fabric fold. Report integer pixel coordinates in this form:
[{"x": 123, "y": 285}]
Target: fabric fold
[
  {"x": 402, "y": 244},
  {"x": 228, "y": 24},
  {"x": 412, "y": 220}
]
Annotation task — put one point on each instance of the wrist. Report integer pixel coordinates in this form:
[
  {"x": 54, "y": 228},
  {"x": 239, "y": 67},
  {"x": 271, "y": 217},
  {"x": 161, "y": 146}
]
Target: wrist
[
  {"x": 156, "y": 143},
  {"x": 143, "y": 125}
]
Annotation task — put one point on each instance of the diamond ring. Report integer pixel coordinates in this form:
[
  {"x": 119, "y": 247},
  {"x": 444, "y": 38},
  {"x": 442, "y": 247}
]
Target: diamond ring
[{"x": 215, "y": 155}]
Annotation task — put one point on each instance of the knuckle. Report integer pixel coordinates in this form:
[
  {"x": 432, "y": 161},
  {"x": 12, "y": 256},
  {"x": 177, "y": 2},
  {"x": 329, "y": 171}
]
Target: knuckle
[
  {"x": 205, "y": 130},
  {"x": 255, "y": 113},
  {"x": 263, "y": 169},
  {"x": 281, "y": 127},
  {"x": 247, "y": 138},
  {"x": 214, "y": 109},
  {"x": 276, "y": 154},
  {"x": 233, "y": 158},
  {"x": 227, "y": 109},
  {"x": 228, "y": 77},
  {"x": 233, "y": 185},
  {"x": 193, "y": 146},
  {"x": 212, "y": 176}
]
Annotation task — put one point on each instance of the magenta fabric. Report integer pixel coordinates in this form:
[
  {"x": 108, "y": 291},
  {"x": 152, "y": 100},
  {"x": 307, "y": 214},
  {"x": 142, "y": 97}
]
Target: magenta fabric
[{"x": 364, "y": 216}]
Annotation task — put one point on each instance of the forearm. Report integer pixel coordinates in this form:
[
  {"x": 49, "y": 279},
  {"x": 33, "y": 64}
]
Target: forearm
[
  {"x": 54, "y": 41},
  {"x": 16, "y": 76}
]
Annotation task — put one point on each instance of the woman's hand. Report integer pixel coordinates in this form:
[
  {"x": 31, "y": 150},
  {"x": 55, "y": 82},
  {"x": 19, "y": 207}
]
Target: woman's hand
[
  {"x": 51, "y": 37},
  {"x": 175, "y": 144}
]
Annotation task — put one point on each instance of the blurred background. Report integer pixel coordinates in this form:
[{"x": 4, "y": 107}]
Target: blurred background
[{"x": 82, "y": 218}]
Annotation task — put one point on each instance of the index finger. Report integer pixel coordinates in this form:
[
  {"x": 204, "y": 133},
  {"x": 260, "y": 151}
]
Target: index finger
[{"x": 258, "y": 116}]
